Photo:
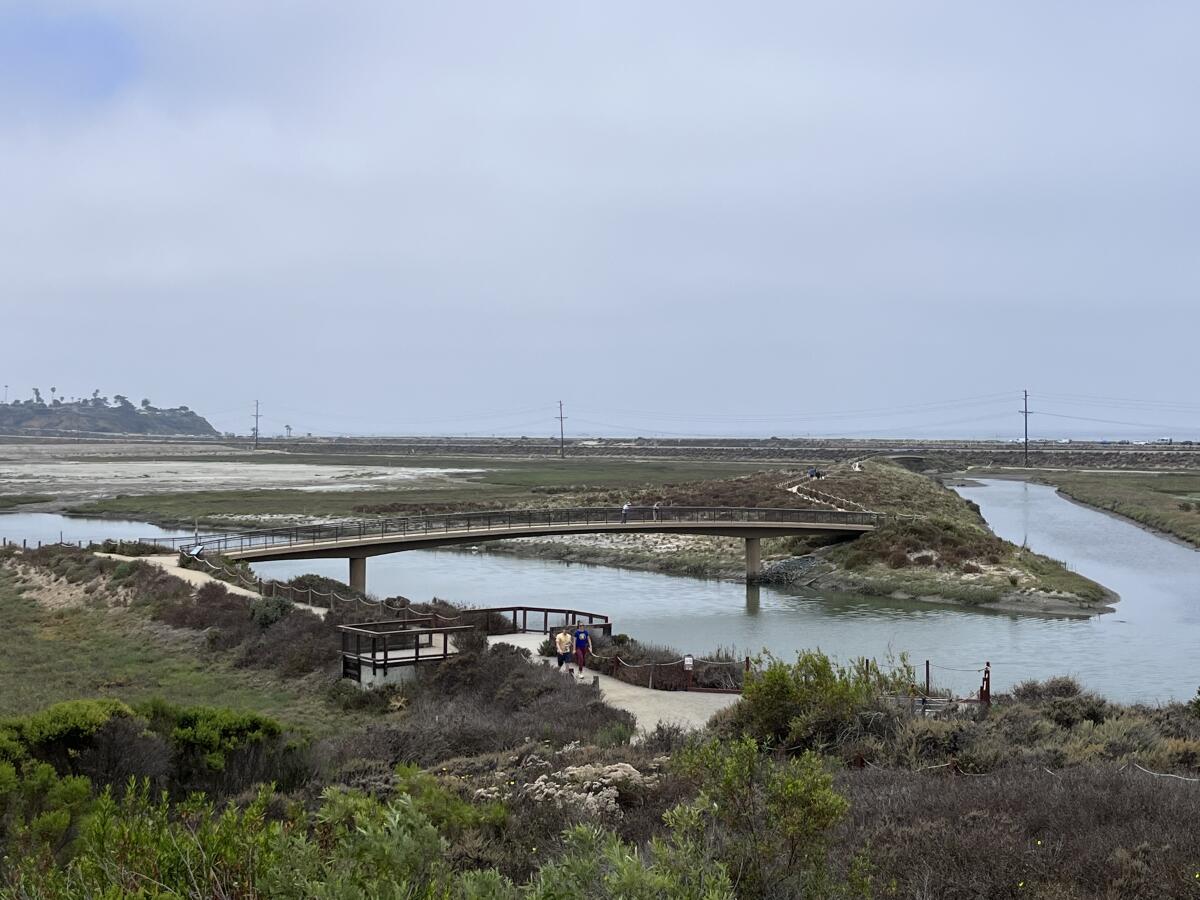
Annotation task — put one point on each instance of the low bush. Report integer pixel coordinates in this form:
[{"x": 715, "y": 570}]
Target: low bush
[
  {"x": 60, "y": 732},
  {"x": 266, "y": 611},
  {"x": 129, "y": 548},
  {"x": 812, "y": 703},
  {"x": 484, "y": 703},
  {"x": 742, "y": 790},
  {"x": 224, "y": 751},
  {"x": 1033, "y": 691},
  {"x": 1025, "y": 832}
]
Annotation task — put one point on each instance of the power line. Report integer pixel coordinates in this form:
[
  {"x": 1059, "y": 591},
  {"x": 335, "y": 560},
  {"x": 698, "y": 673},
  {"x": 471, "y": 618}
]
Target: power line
[
  {"x": 1111, "y": 421},
  {"x": 880, "y": 412}
]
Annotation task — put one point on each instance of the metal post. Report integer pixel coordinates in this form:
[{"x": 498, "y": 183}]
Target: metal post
[{"x": 926, "y": 678}]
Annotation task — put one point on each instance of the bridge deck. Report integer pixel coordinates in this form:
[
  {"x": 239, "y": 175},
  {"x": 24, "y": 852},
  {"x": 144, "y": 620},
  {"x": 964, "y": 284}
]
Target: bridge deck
[{"x": 393, "y": 542}]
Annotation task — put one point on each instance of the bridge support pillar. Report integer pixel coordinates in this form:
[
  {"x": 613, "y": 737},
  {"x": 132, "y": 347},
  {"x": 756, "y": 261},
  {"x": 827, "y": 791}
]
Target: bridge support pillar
[
  {"x": 753, "y": 559},
  {"x": 358, "y": 573}
]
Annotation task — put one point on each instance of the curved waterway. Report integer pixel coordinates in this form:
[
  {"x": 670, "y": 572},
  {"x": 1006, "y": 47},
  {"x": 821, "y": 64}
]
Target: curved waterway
[{"x": 1145, "y": 651}]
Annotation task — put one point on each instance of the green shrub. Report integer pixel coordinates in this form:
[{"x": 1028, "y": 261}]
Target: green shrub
[
  {"x": 449, "y": 813},
  {"x": 209, "y": 732},
  {"x": 617, "y": 734},
  {"x": 347, "y": 696},
  {"x": 1033, "y": 690},
  {"x": 1069, "y": 711},
  {"x": 1110, "y": 739},
  {"x": 474, "y": 641},
  {"x": 266, "y": 611},
  {"x": 807, "y": 704},
  {"x": 58, "y": 733},
  {"x": 771, "y": 821},
  {"x": 222, "y": 750},
  {"x": 599, "y": 863}
]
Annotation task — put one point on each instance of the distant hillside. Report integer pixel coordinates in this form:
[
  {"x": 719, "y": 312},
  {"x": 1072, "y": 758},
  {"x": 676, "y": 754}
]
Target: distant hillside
[{"x": 98, "y": 415}]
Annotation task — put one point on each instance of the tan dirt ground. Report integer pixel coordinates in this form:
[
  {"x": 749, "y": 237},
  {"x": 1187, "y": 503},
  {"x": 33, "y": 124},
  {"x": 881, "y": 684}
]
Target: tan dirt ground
[{"x": 74, "y": 473}]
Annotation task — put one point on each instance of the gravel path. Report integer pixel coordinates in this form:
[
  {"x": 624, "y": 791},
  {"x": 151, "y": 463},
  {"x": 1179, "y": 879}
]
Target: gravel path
[
  {"x": 198, "y": 579},
  {"x": 649, "y": 707}
]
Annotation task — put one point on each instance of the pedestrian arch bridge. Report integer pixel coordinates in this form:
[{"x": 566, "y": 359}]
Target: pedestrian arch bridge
[{"x": 356, "y": 541}]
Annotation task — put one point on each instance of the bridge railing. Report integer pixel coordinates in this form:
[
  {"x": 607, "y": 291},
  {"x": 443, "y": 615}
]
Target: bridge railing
[{"x": 483, "y": 522}]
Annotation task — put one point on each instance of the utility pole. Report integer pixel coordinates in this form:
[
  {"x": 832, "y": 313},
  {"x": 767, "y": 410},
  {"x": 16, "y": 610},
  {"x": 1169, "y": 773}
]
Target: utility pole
[
  {"x": 562, "y": 440},
  {"x": 256, "y": 418},
  {"x": 1025, "y": 413}
]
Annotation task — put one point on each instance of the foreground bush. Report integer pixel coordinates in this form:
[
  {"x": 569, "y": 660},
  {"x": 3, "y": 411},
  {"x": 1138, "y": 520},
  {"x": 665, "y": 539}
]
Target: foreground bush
[
  {"x": 482, "y": 702},
  {"x": 352, "y": 847},
  {"x": 815, "y": 703},
  {"x": 769, "y": 821}
]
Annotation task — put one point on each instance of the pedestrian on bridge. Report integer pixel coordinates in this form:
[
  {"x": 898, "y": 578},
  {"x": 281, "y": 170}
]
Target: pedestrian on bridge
[
  {"x": 625, "y": 513},
  {"x": 583, "y": 646},
  {"x": 657, "y": 510}
]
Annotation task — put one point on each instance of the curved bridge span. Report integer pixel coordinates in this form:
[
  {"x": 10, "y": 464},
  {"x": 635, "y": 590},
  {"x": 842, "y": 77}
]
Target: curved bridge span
[{"x": 357, "y": 541}]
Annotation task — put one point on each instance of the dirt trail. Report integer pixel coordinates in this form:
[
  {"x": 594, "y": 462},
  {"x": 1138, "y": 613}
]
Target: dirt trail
[{"x": 198, "y": 579}]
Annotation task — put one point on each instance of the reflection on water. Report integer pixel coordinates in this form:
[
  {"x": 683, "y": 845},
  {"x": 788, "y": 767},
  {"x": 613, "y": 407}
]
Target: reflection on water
[
  {"x": 753, "y": 598},
  {"x": 1145, "y": 651}
]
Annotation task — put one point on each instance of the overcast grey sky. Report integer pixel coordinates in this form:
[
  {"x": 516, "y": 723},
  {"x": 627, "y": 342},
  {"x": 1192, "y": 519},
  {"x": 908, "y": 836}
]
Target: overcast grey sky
[{"x": 678, "y": 217}]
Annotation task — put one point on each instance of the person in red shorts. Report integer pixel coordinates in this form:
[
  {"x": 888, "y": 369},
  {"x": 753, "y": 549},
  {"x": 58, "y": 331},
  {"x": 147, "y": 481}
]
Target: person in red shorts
[{"x": 583, "y": 646}]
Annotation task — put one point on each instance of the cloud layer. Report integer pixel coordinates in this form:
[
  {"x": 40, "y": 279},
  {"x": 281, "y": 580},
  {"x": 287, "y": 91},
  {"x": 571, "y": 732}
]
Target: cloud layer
[{"x": 398, "y": 216}]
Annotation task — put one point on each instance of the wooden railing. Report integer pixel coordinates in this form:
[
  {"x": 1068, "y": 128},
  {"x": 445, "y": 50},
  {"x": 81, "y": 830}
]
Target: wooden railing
[{"x": 393, "y": 643}]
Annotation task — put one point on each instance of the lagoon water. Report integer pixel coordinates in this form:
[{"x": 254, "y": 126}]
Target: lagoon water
[{"x": 1145, "y": 651}]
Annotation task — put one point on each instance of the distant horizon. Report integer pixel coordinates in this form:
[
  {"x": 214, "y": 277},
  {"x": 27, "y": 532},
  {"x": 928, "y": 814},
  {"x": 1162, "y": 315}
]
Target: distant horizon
[{"x": 1078, "y": 424}]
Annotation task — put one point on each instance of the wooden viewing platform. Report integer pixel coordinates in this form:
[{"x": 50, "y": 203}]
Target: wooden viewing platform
[{"x": 387, "y": 652}]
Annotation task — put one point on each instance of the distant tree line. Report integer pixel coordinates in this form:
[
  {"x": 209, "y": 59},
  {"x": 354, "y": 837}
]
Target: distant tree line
[{"x": 98, "y": 413}]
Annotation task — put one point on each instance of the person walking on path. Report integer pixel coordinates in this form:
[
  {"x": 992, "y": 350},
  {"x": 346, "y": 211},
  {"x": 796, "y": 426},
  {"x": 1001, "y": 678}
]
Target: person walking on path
[
  {"x": 583, "y": 646},
  {"x": 562, "y": 646},
  {"x": 625, "y": 513}
]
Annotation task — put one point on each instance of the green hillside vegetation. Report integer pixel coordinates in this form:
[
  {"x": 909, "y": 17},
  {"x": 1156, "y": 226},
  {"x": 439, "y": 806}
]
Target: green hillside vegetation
[
  {"x": 941, "y": 545},
  {"x": 10, "y": 501},
  {"x": 98, "y": 415},
  {"x": 506, "y": 484},
  {"x": 491, "y": 777},
  {"x": 1169, "y": 502}
]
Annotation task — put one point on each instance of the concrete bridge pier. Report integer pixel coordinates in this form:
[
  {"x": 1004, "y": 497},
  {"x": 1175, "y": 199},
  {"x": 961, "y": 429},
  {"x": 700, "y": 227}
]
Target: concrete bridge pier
[
  {"x": 753, "y": 559},
  {"x": 358, "y": 573}
]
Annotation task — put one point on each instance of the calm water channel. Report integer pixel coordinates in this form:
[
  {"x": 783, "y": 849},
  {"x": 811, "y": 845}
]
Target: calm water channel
[{"x": 1145, "y": 651}]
